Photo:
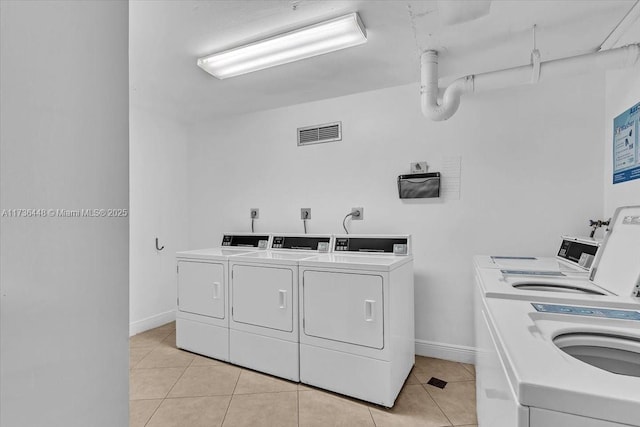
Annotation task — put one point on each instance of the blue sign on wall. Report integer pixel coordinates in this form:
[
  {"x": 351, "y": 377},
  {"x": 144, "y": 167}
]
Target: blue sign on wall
[{"x": 626, "y": 153}]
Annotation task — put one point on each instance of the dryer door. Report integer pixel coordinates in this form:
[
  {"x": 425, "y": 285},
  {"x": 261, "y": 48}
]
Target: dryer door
[
  {"x": 344, "y": 307},
  {"x": 201, "y": 288},
  {"x": 263, "y": 296}
]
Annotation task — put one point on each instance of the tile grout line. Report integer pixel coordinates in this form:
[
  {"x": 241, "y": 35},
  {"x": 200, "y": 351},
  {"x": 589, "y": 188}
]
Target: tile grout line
[
  {"x": 216, "y": 395},
  {"x": 373, "y": 420},
  {"x": 468, "y": 370},
  {"x": 143, "y": 346},
  {"x": 445, "y": 414},
  {"x": 231, "y": 398},
  {"x": 154, "y": 412},
  {"x": 164, "y": 398},
  {"x": 158, "y": 344},
  {"x": 298, "y": 399},
  {"x": 161, "y": 401},
  {"x": 184, "y": 369},
  {"x": 436, "y": 403}
]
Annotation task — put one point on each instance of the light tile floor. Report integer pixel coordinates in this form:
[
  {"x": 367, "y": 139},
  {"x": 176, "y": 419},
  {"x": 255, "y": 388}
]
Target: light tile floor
[{"x": 171, "y": 387}]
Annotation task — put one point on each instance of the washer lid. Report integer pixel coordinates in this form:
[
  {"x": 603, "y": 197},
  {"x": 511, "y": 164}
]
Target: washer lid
[{"x": 617, "y": 264}]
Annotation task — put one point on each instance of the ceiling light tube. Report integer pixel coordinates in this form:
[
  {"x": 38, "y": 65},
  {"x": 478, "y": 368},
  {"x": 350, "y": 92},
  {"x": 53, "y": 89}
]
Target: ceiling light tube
[{"x": 324, "y": 37}]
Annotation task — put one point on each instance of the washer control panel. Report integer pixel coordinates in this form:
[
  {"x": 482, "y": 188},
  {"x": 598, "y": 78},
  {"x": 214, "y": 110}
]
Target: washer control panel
[
  {"x": 250, "y": 241},
  {"x": 387, "y": 245},
  {"x": 305, "y": 243},
  {"x": 587, "y": 311},
  {"x": 578, "y": 251}
]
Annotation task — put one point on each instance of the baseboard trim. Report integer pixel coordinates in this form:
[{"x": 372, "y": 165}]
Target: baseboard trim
[
  {"x": 456, "y": 353},
  {"x": 151, "y": 322}
]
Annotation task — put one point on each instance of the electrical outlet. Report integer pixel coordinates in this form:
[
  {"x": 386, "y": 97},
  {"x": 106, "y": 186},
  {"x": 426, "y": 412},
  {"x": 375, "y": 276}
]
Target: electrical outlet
[
  {"x": 305, "y": 213},
  {"x": 358, "y": 214},
  {"x": 419, "y": 167},
  {"x": 254, "y": 213}
]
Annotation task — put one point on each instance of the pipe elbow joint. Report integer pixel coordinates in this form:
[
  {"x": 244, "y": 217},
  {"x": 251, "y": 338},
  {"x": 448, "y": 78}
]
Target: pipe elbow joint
[
  {"x": 450, "y": 100},
  {"x": 438, "y": 113}
]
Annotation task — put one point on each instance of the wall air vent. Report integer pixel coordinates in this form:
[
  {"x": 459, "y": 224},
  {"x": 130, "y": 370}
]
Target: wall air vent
[{"x": 320, "y": 133}]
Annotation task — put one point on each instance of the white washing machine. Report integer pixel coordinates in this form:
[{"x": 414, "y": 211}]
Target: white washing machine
[
  {"x": 612, "y": 282},
  {"x": 492, "y": 283},
  {"x": 574, "y": 258},
  {"x": 264, "y": 304},
  {"x": 202, "y": 319},
  {"x": 357, "y": 317},
  {"x": 547, "y": 365}
]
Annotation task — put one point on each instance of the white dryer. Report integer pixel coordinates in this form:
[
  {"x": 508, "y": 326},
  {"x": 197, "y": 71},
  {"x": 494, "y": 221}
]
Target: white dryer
[
  {"x": 202, "y": 319},
  {"x": 264, "y": 304},
  {"x": 357, "y": 317},
  {"x": 544, "y": 364}
]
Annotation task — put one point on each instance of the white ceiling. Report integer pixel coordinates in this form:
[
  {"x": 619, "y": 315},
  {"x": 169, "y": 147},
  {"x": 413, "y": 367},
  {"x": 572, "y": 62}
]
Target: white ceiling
[{"x": 167, "y": 36}]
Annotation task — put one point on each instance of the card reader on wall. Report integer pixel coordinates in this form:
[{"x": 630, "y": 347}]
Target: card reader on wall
[{"x": 419, "y": 185}]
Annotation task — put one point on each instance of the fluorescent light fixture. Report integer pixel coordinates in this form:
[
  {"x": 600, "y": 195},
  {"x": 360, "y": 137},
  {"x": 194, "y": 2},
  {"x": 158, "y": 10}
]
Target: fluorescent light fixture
[{"x": 324, "y": 37}]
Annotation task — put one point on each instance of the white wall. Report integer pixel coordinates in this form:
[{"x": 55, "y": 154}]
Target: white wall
[
  {"x": 532, "y": 168},
  {"x": 622, "y": 92},
  {"x": 64, "y": 281},
  {"x": 158, "y": 209}
]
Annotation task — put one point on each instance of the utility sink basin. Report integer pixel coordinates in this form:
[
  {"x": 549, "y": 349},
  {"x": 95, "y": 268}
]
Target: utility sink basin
[{"x": 613, "y": 353}]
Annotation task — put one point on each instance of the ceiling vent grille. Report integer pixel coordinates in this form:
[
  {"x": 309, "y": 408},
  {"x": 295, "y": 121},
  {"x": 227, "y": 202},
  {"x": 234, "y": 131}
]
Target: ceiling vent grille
[{"x": 320, "y": 133}]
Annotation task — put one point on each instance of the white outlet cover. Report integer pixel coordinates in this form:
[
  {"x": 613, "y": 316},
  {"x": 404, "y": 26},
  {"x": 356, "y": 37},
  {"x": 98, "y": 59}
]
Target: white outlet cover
[{"x": 419, "y": 167}]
